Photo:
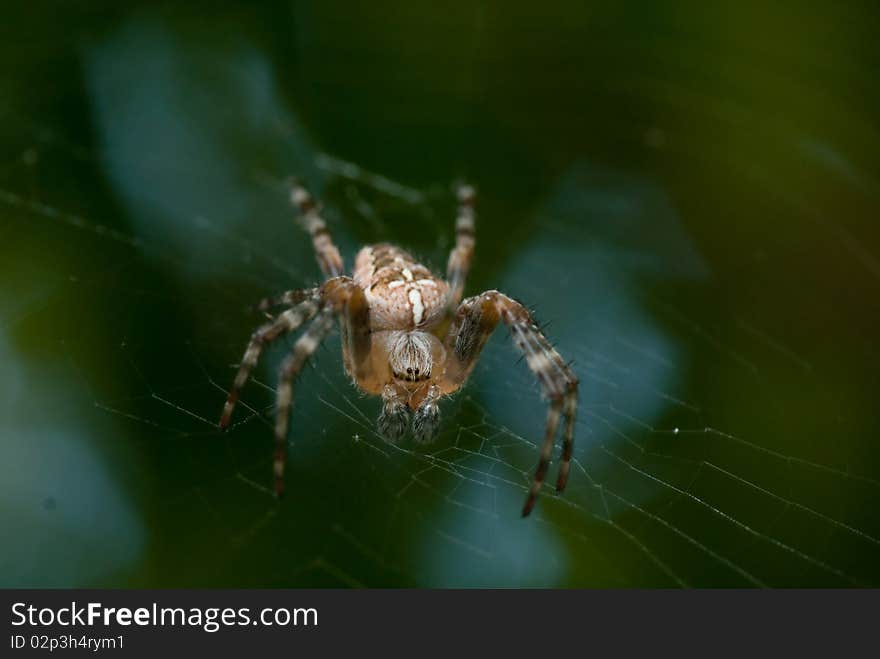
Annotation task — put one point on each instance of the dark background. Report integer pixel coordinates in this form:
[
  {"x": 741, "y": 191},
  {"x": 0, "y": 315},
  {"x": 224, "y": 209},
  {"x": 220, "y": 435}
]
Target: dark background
[{"x": 687, "y": 192}]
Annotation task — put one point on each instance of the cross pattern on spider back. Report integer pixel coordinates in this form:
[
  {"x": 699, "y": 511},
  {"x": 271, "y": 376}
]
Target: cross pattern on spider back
[{"x": 407, "y": 337}]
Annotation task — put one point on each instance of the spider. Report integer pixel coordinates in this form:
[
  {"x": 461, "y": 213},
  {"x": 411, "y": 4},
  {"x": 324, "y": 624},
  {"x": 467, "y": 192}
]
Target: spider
[{"x": 407, "y": 337}]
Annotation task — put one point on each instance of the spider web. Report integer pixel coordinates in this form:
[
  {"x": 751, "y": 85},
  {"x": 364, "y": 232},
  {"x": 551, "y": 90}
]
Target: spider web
[{"x": 696, "y": 463}]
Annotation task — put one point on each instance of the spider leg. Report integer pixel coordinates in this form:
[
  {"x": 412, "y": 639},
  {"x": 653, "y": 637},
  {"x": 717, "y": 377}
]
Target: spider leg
[
  {"x": 326, "y": 252},
  {"x": 568, "y": 412},
  {"x": 293, "y": 364},
  {"x": 286, "y": 299},
  {"x": 462, "y": 254},
  {"x": 426, "y": 419},
  {"x": 340, "y": 296},
  {"x": 348, "y": 300},
  {"x": 286, "y": 322},
  {"x": 474, "y": 322},
  {"x": 395, "y": 415}
]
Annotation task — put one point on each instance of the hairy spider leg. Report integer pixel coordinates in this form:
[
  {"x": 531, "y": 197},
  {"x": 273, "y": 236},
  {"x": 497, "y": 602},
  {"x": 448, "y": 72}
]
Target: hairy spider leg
[
  {"x": 474, "y": 321},
  {"x": 326, "y": 252},
  {"x": 286, "y": 322},
  {"x": 341, "y": 297},
  {"x": 306, "y": 301},
  {"x": 349, "y": 302},
  {"x": 395, "y": 416},
  {"x": 426, "y": 419},
  {"x": 293, "y": 364},
  {"x": 463, "y": 253},
  {"x": 286, "y": 299}
]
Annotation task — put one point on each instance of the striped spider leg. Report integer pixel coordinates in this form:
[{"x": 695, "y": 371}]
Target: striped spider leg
[
  {"x": 286, "y": 299},
  {"x": 463, "y": 253},
  {"x": 338, "y": 296},
  {"x": 286, "y": 322},
  {"x": 329, "y": 258},
  {"x": 474, "y": 322},
  {"x": 305, "y": 302}
]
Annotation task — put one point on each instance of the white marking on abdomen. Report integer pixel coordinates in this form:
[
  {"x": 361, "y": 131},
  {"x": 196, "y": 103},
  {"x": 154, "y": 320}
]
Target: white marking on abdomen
[
  {"x": 418, "y": 308},
  {"x": 407, "y": 273}
]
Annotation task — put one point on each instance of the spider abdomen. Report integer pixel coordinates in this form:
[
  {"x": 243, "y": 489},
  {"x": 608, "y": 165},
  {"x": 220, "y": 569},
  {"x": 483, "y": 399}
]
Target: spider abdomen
[{"x": 402, "y": 293}]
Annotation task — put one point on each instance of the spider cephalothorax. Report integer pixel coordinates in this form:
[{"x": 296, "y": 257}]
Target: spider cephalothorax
[
  {"x": 411, "y": 354},
  {"x": 407, "y": 337}
]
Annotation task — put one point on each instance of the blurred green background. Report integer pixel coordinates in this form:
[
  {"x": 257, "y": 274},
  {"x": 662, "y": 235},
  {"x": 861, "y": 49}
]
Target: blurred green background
[{"x": 687, "y": 193}]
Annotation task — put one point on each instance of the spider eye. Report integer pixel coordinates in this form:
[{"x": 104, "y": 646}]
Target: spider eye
[{"x": 409, "y": 370}]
